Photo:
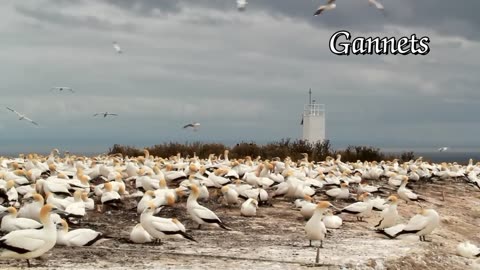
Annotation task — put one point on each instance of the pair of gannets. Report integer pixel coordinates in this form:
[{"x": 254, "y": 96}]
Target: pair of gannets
[
  {"x": 30, "y": 243},
  {"x": 421, "y": 224}
]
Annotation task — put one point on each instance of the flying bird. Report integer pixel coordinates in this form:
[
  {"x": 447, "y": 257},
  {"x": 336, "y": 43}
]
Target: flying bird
[
  {"x": 329, "y": 6},
  {"x": 192, "y": 125},
  {"x": 117, "y": 47},
  {"x": 442, "y": 149},
  {"x": 62, "y": 88},
  {"x": 377, "y": 4},
  {"x": 105, "y": 114},
  {"x": 22, "y": 116},
  {"x": 241, "y": 5}
]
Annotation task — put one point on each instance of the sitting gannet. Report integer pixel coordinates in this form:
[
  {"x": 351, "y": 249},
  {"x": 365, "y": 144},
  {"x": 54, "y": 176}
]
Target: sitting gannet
[
  {"x": 78, "y": 237},
  {"x": 12, "y": 223},
  {"x": 331, "y": 221},
  {"x": 468, "y": 250},
  {"x": 139, "y": 235},
  {"x": 249, "y": 208}
]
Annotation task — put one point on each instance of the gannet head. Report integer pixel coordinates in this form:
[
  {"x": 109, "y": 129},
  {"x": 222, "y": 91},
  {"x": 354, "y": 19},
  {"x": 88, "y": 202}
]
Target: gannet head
[
  {"x": 170, "y": 199},
  {"x": 108, "y": 186},
  {"x": 344, "y": 185},
  {"x": 225, "y": 189},
  {"x": 45, "y": 213},
  {"x": 38, "y": 198},
  {"x": 392, "y": 199},
  {"x": 195, "y": 189},
  {"x": 12, "y": 211},
  {"x": 308, "y": 198},
  {"x": 162, "y": 183},
  {"x": 323, "y": 205}
]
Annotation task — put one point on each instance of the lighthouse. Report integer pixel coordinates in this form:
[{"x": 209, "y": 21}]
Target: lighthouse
[{"x": 313, "y": 120}]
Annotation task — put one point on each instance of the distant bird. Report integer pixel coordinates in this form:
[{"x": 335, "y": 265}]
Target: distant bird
[
  {"x": 192, "y": 125},
  {"x": 22, "y": 116},
  {"x": 377, "y": 4},
  {"x": 117, "y": 47},
  {"x": 329, "y": 6},
  {"x": 241, "y": 5},
  {"x": 442, "y": 149},
  {"x": 105, "y": 114},
  {"x": 62, "y": 88}
]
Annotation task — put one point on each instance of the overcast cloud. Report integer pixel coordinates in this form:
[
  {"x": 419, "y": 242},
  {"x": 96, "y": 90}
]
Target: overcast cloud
[{"x": 244, "y": 76}]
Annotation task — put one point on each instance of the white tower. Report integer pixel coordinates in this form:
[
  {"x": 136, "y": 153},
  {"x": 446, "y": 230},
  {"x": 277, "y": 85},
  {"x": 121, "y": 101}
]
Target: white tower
[{"x": 313, "y": 121}]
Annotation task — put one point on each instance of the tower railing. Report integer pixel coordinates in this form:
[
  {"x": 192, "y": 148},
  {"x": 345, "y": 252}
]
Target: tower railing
[{"x": 313, "y": 109}]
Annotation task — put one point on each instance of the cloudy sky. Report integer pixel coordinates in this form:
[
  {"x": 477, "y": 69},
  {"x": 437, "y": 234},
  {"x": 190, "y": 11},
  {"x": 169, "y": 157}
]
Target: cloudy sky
[{"x": 244, "y": 76}]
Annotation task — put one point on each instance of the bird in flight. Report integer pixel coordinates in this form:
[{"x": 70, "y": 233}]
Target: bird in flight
[
  {"x": 378, "y": 5},
  {"x": 192, "y": 125},
  {"x": 105, "y": 114},
  {"x": 117, "y": 47},
  {"x": 62, "y": 88},
  {"x": 329, "y": 6},
  {"x": 242, "y": 4},
  {"x": 22, "y": 116},
  {"x": 442, "y": 149}
]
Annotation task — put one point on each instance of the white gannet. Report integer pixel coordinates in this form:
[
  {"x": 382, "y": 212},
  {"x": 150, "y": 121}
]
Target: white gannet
[
  {"x": 117, "y": 47},
  {"x": 405, "y": 193},
  {"x": 241, "y": 4},
  {"x": 22, "y": 116},
  {"x": 315, "y": 228},
  {"x": 161, "y": 228},
  {"x": 77, "y": 207},
  {"x": 230, "y": 195},
  {"x": 32, "y": 210},
  {"x": 331, "y": 221},
  {"x": 377, "y": 5},
  {"x": 200, "y": 214},
  {"x": 360, "y": 209},
  {"x": 421, "y": 224},
  {"x": 307, "y": 207},
  {"x": 62, "y": 88},
  {"x": 30, "y": 243},
  {"x": 389, "y": 215},
  {"x": 138, "y": 235},
  {"x": 105, "y": 114},
  {"x": 78, "y": 237},
  {"x": 442, "y": 149},
  {"x": 329, "y": 6},
  {"x": 249, "y": 208},
  {"x": 12, "y": 223},
  {"x": 339, "y": 193},
  {"x": 194, "y": 126},
  {"x": 468, "y": 250}
]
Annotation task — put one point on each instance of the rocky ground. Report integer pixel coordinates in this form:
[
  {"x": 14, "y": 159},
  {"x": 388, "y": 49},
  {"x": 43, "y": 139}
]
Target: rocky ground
[{"x": 275, "y": 239}]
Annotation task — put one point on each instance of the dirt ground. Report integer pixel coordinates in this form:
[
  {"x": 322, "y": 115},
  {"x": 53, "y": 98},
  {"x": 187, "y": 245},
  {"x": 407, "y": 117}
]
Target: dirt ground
[{"x": 275, "y": 239}]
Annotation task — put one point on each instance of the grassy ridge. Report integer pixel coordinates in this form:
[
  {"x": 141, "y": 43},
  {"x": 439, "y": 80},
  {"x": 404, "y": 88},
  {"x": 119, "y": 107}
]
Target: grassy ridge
[{"x": 285, "y": 147}]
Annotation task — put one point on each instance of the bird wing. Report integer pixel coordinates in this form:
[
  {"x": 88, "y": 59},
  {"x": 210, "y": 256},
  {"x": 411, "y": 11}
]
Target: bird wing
[
  {"x": 30, "y": 120},
  {"x": 189, "y": 125},
  {"x": 22, "y": 241},
  {"x": 81, "y": 237},
  {"x": 114, "y": 114},
  {"x": 377, "y": 4},
  {"x": 164, "y": 225},
  {"x": 357, "y": 207},
  {"x": 96, "y": 114},
  {"x": 319, "y": 10},
  {"x": 416, "y": 223},
  {"x": 19, "y": 114},
  {"x": 205, "y": 214},
  {"x": 26, "y": 223}
]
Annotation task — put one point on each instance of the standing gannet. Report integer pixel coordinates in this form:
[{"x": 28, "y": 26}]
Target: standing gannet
[
  {"x": 389, "y": 215},
  {"x": 138, "y": 235},
  {"x": 200, "y": 214},
  {"x": 421, "y": 224},
  {"x": 78, "y": 237},
  {"x": 331, "y": 221},
  {"x": 468, "y": 250},
  {"x": 315, "y": 228},
  {"x": 249, "y": 208},
  {"x": 161, "y": 228},
  {"x": 360, "y": 209},
  {"x": 12, "y": 223},
  {"x": 30, "y": 243}
]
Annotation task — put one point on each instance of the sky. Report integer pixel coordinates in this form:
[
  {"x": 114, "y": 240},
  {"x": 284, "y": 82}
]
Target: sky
[{"x": 243, "y": 75}]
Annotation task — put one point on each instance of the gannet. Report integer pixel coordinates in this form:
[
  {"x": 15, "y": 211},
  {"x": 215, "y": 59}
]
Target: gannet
[
  {"x": 308, "y": 207},
  {"x": 377, "y": 4},
  {"x": 249, "y": 208},
  {"x": 105, "y": 114},
  {"x": 389, "y": 215},
  {"x": 230, "y": 195},
  {"x": 78, "y": 237},
  {"x": 117, "y": 47},
  {"x": 421, "y": 224},
  {"x": 30, "y": 243},
  {"x": 315, "y": 228},
  {"x": 339, "y": 193},
  {"x": 405, "y": 193},
  {"x": 468, "y": 250},
  {"x": 200, "y": 214},
  {"x": 77, "y": 207},
  {"x": 62, "y": 88},
  {"x": 32, "y": 210},
  {"x": 161, "y": 228},
  {"x": 139, "y": 235},
  {"x": 12, "y": 223},
  {"x": 194, "y": 126},
  {"x": 331, "y": 221},
  {"x": 22, "y": 116},
  {"x": 241, "y": 5},
  {"x": 360, "y": 209}
]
